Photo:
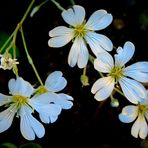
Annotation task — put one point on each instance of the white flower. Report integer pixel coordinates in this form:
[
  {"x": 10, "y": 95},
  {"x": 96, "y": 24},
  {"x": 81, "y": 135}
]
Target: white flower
[
  {"x": 54, "y": 83},
  {"x": 82, "y": 32},
  {"x": 117, "y": 72},
  {"x": 6, "y": 62},
  {"x": 21, "y": 104},
  {"x": 138, "y": 113}
]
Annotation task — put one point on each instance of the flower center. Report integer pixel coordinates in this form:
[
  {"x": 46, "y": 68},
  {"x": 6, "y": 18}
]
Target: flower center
[
  {"x": 80, "y": 31},
  {"x": 116, "y": 72},
  {"x": 41, "y": 90},
  {"x": 142, "y": 109},
  {"x": 20, "y": 100}
]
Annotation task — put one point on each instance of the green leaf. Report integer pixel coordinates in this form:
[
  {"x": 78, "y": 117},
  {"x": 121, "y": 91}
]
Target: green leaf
[
  {"x": 8, "y": 145},
  {"x": 3, "y": 38},
  {"x": 30, "y": 145}
]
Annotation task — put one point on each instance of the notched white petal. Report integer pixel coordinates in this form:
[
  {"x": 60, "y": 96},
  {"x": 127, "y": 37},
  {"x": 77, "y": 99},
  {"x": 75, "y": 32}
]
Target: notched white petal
[
  {"x": 133, "y": 90},
  {"x": 128, "y": 114},
  {"x": 137, "y": 71},
  {"x": 74, "y": 16},
  {"x": 100, "y": 19},
  {"x": 103, "y": 88},
  {"x": 55, "y": 81},
  {"x": 124, "y": 54}
]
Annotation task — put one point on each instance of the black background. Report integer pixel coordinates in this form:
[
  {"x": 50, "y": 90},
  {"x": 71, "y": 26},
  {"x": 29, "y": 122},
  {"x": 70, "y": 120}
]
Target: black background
[{"x": 88, "y": 124}]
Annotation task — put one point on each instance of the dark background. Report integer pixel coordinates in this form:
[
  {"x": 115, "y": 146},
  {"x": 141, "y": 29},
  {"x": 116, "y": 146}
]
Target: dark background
[{"x": 88, "y": 124}]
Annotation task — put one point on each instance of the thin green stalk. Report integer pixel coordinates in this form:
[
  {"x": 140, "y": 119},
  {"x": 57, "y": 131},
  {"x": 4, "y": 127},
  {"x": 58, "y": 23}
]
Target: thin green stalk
[
  {"x": 7, "y": 41},
  {"x": 117, "y": 90},
  {"x": 58, "y": 5},
  {"x": 29, "y": 57},
  {"x": 40, "y": 5},
  {"x": 27, "y": 12},
  {"x": 91, "y": 59},
  {"x": 72, "y": 2}
]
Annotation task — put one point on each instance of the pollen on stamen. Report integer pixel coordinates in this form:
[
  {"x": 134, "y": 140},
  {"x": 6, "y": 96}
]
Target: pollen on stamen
[{"x": 80, "y": 31}]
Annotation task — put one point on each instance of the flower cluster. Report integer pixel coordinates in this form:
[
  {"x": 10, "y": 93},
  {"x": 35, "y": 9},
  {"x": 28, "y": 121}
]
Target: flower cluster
[
  {"x": 24, "y": 100},
  {"x": 129, "y": 78}
]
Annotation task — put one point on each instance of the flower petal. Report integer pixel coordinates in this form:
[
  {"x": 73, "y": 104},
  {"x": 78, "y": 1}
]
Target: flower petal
[
  {"x": 140, "y": 128},
  {"x": 78, "y": 54},
  {"x": 83, "y": 54},
  {"x": 61, "y": 36},
  {"x": 4, "y": 99},
  {"x": 103, "y": 88},
  {"x": 104, "y": 62},
  {"x": 55, "y": 81},
  {"x": 98, "y": 42},
  {"x": 124, "y": 54},
  {"x": 100, "y": 19},
  {"x": 42, "y": 99},
  {"x": 133, "y": 90},
  {"x": 20, "y": 87},
  {"x": 30, "y": 126},
  {"x": 49, "y": 112},
  {"x": 137, "y": 71},
  {"x": 128, "y": 114},
  {"x": 6, "y": 118},
  {"x": 64, "y": 101},
  {"x": 74, "y": 16}
]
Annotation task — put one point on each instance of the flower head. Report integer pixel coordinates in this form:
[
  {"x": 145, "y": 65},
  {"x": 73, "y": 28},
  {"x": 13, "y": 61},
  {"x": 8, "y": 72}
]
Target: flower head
[
  {"x": 6, "y": 62},
  {"x": 54, "y": 83},
  {"x": 118, "y": 73},
  {"x": 21, "y": 104},
  {"x": 82, "y": 32},
  {"x": 139, "y": 114}
]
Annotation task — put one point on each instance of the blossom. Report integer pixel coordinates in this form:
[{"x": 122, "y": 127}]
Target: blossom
[
  {"x": 54, "y": 83},
  {"x": 139, "y": 114},
  {"x": 20, "y": 103},
  {"x": 6, "y": 62},
  {"x": 82, "y": 32},
  {"x": 128, "y": 77}
]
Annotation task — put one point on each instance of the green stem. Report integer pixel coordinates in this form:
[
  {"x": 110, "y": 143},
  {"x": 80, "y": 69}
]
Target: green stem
[
  {"x": 117, "y": 90},
  {"x": 26, "y": 13},
  {"x": 91, "y": 59},
  {"x": 7, "y": 41},
  {"x": 40, "y": 5},
  {"x": 58, "y": 5},
  {"x": 72, "y": 2},
  {"x": 29, "y": 57}
]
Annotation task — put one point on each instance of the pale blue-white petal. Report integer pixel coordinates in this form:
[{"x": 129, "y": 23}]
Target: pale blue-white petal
[
  {"x": 133, "y": 90},
  {"x": 140, "y": 128},
  {"x": 104, "y": 62},
  {"x": 48, "y": 112},
  {"x": 137, "y": 71},
  {"x": 98, "y": 42},
  {"x": 64, "y": 100},
  {"x": 6, "y": 118},
  {"x": 46, "y": 119},
  {"x": 74, "y": 16},
  {"x": 83, "y": 54},
  {"x": 78, "y": 54},
  {"x": 43, "y": 99},
  {"x": 60, "y": 36},
  {"x": 20, "y": 87},
  {"x": 4, "y": 99},
  {"x": 103, "y": 88},
  {"x": 124, "y": 54},
  {"x": 60, "y": 31},
  {"x": 128, "y": 114},
  {"x": 55, "y": 81},
  {"x": 29, "y": 126},
  {"x": 100, "y": 19}
]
